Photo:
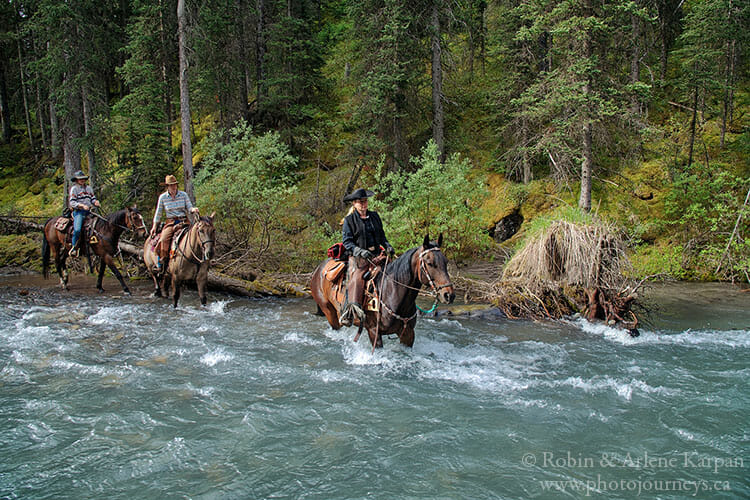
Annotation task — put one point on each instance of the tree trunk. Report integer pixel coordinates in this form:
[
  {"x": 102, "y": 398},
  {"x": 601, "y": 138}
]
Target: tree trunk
[
  {"x": 635, "y": 63},
  {"x": 245, "y": 74},
  {"x": 187, "y": 147},
  {"x": 4, "y": 105},
  {"x": 260, "y": 54},
  {"x": 729, "y": 80},
  {"x": 584, "y": 202},
  {"x": 165, "y": 78},
  {"x": 25, "y": 100},
  {"x": 527, "y": 173},
  {"x": 438, "y": 117},
  {"x": 54, "y": 128},
  {"x": 72, "y": 159},
  {"x": 39, "y": 100},
  {"x": 93, "y": 177},
  {"x": 692, "y": 127}
]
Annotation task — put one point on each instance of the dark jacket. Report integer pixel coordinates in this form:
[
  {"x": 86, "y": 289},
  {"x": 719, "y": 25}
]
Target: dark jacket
[{"x": 355, "y": 232}]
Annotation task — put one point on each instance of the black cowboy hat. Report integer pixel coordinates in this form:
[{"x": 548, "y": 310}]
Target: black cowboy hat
[
  {"x": 358, "y": 194},
  {"x": 78, "y": 175}
]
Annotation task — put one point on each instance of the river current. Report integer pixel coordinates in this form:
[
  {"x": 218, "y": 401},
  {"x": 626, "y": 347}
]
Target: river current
[{"x": 105, "y": 396}]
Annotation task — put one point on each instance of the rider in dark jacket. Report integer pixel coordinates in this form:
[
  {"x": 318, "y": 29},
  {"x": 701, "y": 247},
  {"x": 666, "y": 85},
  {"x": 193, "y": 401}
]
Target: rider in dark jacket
[{"x": 363, "y": 237}]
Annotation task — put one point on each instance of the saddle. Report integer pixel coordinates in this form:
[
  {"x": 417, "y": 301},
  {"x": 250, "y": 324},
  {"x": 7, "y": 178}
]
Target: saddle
[
  {"x": 335, "y": 272},
  {"x": 65, "y": 225},
  {"x": 180, "y": 232}
]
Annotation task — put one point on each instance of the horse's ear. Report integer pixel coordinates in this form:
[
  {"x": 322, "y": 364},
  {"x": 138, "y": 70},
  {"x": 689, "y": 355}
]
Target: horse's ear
[
  {"x": 426, "y": 242},
  {"x": 440, "y": 240},
  {"x": 212, "y": 215}
]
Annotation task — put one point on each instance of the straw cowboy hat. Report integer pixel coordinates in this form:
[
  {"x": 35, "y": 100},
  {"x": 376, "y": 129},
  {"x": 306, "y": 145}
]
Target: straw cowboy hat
[
  {"x": 79, "y": 175},
  {"x": 358, "y": 194},
  {"x": 170, "y": 179}
]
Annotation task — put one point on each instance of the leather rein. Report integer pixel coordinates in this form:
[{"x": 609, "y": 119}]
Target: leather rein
[
  {"x": 203, "y": 244},
  {"x": 435, "y": 289}
]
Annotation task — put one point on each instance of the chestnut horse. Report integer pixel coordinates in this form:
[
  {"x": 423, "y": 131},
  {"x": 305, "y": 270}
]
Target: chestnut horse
[
  {"x": 397, "y": 289},
  {"x": 104, "y": 232},
  {"x": 191, "y": 260}
]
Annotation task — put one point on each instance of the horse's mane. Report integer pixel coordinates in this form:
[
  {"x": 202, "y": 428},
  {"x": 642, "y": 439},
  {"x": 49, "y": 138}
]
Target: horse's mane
[
  {"x": 400, "y": 269},
  {"x": 117, "y": 217}
]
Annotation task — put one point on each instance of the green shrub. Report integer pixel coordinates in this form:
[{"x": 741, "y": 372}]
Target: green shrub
[
  {"x": 246, "y": 181},
  {"x": 436, "y": 198}
]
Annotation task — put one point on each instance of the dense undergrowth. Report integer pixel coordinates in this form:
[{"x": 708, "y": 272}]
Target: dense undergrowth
[{"x": 682, "y": 223}]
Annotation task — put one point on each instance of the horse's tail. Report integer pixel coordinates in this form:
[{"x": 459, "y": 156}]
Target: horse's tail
[{"x": 45, "y": 256}]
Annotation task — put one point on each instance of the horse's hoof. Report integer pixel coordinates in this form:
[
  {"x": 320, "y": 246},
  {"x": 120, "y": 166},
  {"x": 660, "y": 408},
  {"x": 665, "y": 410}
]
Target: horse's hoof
[
  {"x": 127, "y": 292},
  {"x": 101, "y": 290}
]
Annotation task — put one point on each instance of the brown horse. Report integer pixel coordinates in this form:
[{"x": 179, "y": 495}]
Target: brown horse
[
  {"x": 191, "y": 260},
  {"x": 397, "y": 290},
  {"x": 102, "y": 241}
]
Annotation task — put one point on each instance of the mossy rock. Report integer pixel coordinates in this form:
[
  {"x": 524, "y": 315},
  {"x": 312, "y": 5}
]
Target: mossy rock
[{"x": 20, "y": 251}]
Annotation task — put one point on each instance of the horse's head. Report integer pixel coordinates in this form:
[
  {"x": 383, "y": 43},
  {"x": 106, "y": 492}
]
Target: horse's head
[
  {"x": 134, "y": 221},
  {"x": 206, "y": 232},
  {"x": 433, "y": 270}
]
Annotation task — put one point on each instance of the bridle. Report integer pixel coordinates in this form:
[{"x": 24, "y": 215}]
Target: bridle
[
  {"x": 202, "y": 242},
  {"x": 422, "y": 267}
]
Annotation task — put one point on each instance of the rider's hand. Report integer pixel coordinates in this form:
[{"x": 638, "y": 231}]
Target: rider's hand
[
  {"x": 389, "y": 250},
  {"x": 97, "y": 204},
  {"x": 363, "y": 253},
  {"x": 86, "y": 207}
]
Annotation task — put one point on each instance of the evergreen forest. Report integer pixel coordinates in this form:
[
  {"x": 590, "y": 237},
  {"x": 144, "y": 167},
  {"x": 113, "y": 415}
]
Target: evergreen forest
[{"x": 478, "y": 119}]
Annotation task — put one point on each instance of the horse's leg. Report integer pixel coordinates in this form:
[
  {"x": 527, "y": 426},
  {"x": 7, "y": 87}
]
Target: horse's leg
[
  {"x": 201, "y": 280},
  {"x": 166, "y": 279},
  {"x": 376, "y": 339},
  {"x": 100, "y": 277},
  {"x": 177, "y": 286},
  {"x": 407, "y": 336},
  {"x": 62, "y": 271},
  {"x": 107, "y": 258},
  {"x": 157, "y": 288},
  {"x": 331, "y": 315}
]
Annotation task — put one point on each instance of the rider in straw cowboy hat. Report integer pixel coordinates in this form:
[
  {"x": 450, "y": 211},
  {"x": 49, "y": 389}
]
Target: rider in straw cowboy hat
[
  {"x": 175, "y": 206},
  {"x": 363, "y": 237},
  {"x": 81, "y": 200}
]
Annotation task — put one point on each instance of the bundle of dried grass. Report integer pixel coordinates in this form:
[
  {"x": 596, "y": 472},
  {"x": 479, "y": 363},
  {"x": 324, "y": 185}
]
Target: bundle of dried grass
[
  {"x": 568, "y": 268},
  {"x": 572, "y": 254}
]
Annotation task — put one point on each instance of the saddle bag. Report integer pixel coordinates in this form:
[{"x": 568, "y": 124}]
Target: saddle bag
[
  {"x": 338, "y": 252},
  {"x": 62, "y": 223},
  {"x": 333, "y": 270}
]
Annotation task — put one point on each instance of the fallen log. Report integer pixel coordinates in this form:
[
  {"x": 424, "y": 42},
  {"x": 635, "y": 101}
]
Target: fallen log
[
  {"x": 12, "y": 225},
  {"x": 262, "y": 287}
]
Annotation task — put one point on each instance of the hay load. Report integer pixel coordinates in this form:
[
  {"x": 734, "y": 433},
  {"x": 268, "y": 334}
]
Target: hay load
[{"x": 566, "y": 268}]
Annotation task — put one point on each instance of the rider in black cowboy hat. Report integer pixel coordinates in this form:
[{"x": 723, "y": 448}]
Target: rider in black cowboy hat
[{"x": 363, "y": 237}]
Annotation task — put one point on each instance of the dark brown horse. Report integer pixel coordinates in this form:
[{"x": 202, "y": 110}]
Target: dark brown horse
[
  {"x": 191, "y": 260},
  {"x": 102, "y": 241},
  {"x": 396, "y": 289}
]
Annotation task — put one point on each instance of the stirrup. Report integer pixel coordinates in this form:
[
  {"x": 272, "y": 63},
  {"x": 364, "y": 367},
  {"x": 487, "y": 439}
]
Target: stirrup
[{"x": 73, "y": 252}]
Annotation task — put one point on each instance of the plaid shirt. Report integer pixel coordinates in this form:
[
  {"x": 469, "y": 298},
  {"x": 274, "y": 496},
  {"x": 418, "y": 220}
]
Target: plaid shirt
[
  {"x": 81, "y": 195},
  {"x": 179, "y": 206}
]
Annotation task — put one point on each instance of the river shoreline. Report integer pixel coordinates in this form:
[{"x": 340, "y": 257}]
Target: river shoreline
[{"x": 682, "y": 298}]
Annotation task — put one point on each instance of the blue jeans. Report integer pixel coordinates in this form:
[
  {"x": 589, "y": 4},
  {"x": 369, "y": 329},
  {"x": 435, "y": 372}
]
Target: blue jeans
[{"x": 78, "y": 217}]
